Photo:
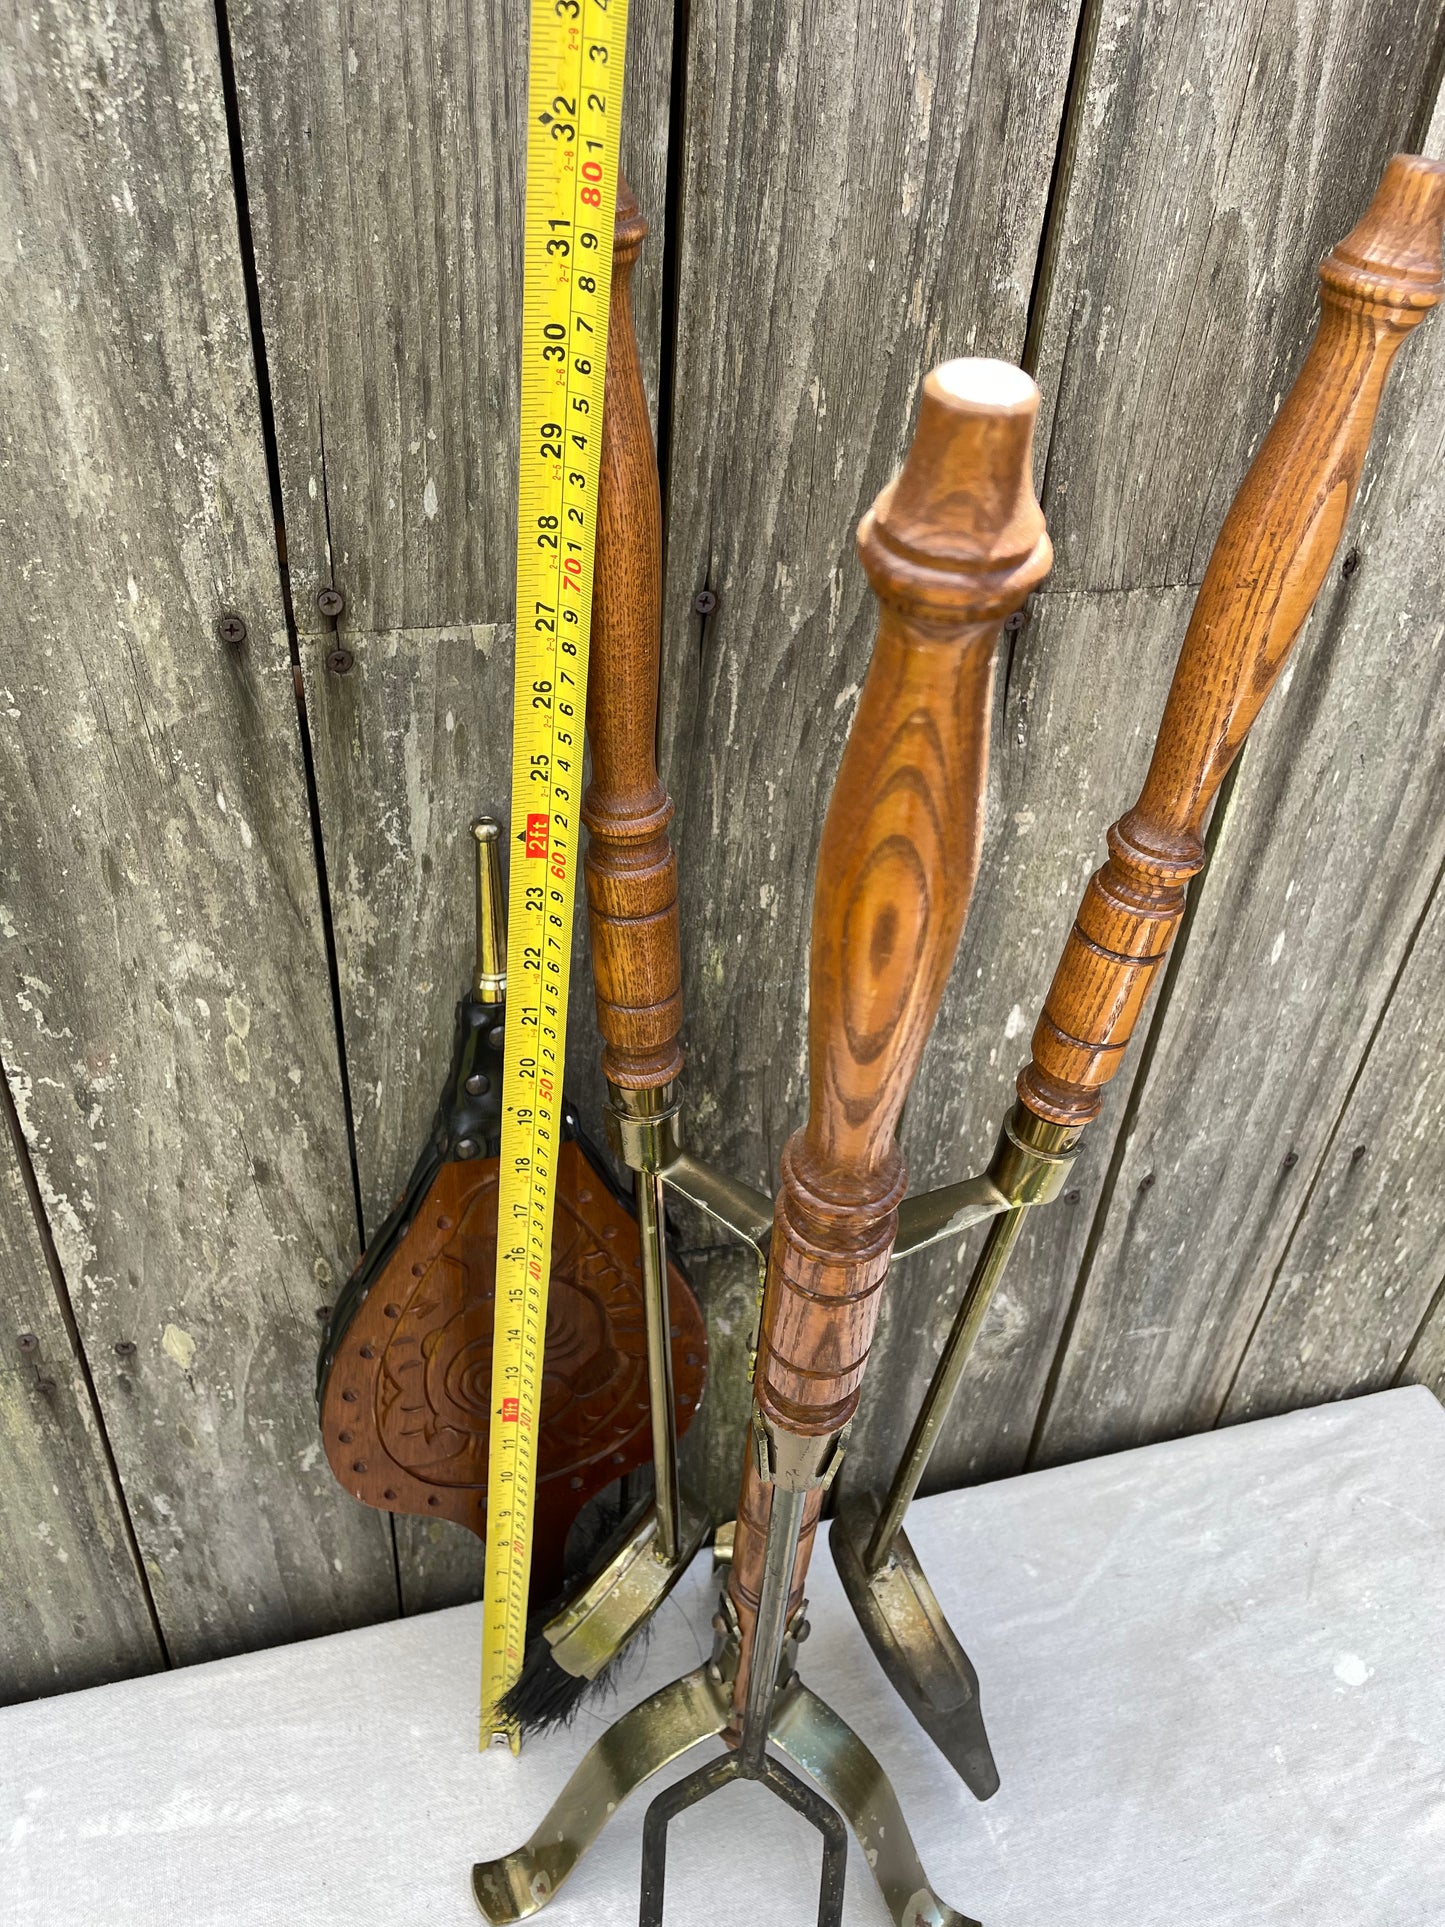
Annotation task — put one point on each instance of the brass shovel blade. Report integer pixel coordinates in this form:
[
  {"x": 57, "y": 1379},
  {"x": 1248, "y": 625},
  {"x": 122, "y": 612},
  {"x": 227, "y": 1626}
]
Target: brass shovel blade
[
  {"x": 592, "y": 1629},
  {"x": 916, "y": 1647}
]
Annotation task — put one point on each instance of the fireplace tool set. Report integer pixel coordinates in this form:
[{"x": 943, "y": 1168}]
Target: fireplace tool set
[{"x": 951, "y": 549}]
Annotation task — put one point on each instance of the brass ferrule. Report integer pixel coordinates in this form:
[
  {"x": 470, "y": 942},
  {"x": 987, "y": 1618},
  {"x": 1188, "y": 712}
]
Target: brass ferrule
[
  {"x": 1033, "y": 1157},
  {"x": 642, "y": 1126},
  {"x": 795, "y": 1461},
  {"x": 489, "y": 975}
]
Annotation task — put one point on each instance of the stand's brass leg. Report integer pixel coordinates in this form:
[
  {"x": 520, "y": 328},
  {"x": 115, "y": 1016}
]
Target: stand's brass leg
[
  {"x": 830, "y": 1752},
  {"x": 632, "y": 1749},
  {"x": 694, "y": 1708}
]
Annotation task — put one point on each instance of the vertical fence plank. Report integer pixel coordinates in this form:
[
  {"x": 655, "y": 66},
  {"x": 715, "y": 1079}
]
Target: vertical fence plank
[
  {"x": 1210, "y": 169},
  {"x": 1069, "y": 753},
  {"x": 73, "y": 1608},
  {"x": 863, "y": 195},
  {"x": 164, "y": 1003},
  {"x": 404, "y": 757},
  {"x": 1365, "y": 1267},
  {"x": 1367, "y": 1253},
  {"x": 1331, "y": 839},
  {"x": 384, "y": 155}
]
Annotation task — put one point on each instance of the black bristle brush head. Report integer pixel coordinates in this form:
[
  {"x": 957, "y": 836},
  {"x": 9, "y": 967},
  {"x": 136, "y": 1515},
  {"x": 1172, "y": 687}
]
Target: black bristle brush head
[{"x": 545, "y": 1697}]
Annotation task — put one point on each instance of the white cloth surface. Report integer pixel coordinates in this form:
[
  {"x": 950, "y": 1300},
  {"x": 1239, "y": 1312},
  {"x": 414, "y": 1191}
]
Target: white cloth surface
[{"x": 1213, "y": 1672}]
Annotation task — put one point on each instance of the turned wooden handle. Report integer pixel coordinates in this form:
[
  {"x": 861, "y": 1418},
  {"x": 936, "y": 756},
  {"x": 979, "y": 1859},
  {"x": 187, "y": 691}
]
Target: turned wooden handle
[
  {"x": 630, "y": 868},
  {"x": 1272, "y": 555},
  {"x": 951, "y": 549}
]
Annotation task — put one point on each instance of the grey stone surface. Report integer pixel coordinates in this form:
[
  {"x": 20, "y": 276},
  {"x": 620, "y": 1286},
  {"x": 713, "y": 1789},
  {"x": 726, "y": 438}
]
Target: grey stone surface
[{"x": 1210, "y": 1669}]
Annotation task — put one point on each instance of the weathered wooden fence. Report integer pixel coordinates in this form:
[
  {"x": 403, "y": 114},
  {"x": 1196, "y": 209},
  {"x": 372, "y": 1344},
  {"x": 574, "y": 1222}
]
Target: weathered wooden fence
[{"x": 261, "y": 301}]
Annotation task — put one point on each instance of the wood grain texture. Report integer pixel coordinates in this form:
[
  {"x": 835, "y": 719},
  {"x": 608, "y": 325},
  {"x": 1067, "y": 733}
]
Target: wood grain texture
[
  {"x": 1180, "y": 293},
  {"x": 711, "y": 1451},
  {"x": 385, "y": 154},
  {"x": 1217, "y": 160},
  {"x": 1361, "y": 1280},
  {"x": 74, "y": 1601},
  {"x": 1328, "y": 853},
  {"x": 629, "y": 866},
  {"x": 951, "y": 549},
  {"x": 1347, "y": 1304},
  {"x": 409, "y": 745},
  {"x": 1057, "y": 772},
  {"x": 1278, "y": 541},
  {"x": 164, "y": 1006},
  {"x": 407, "y": 751},
  {"x": 861, "y": 197}
]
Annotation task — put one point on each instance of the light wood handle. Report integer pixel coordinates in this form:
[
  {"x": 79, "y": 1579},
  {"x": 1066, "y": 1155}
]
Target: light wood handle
[
  {"x": 1269, "y": 562},
  {"x": 951, "y": 548},
  {"x": 630, "y": 868}
]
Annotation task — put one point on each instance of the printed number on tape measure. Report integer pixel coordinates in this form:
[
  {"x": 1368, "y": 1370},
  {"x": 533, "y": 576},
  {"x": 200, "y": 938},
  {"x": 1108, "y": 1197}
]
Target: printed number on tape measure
[{"x": 574, "y": 103}]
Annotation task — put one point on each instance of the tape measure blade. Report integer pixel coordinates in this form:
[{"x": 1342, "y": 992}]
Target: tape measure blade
[{"x": 574, "y": 94}]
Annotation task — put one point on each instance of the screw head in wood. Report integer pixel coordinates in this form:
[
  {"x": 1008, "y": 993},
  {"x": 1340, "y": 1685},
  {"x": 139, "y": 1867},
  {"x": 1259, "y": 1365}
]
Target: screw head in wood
[
  {"x": 331, "y": 602},
  {"x": 28, "y": 1341},
  {"x": 339, "y": 661},
  {"x": 1015, "y": 622},
  {"x": 124, "y": 1348},
  {"x": 230, "y": 628},
  {"x": 705, "y": 601}
]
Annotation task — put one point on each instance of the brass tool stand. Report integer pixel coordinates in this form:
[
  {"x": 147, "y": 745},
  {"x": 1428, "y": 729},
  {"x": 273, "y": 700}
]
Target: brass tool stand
[{"x": 951, "y": 548}]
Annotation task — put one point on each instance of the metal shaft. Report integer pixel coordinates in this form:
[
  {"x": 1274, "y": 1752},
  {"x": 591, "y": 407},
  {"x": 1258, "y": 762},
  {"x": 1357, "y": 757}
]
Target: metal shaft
[
  {"x": 785, "y": 1527},
  {"x": 489, "y": 972},
  {"x": 653, "y": 1229},
  {"x": 1003, "y": 1234}
]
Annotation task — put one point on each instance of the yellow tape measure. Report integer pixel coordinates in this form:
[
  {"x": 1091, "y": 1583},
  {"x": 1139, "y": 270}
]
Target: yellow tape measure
[{"x": 574, "y": 106}]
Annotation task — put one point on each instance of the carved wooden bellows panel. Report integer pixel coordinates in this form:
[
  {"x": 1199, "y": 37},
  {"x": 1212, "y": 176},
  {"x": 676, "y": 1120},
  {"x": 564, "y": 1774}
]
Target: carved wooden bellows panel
[{"x": 406, "y": 1374}]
